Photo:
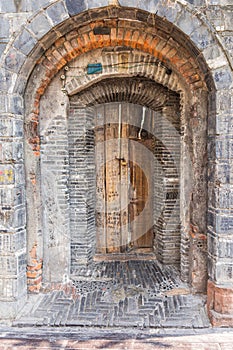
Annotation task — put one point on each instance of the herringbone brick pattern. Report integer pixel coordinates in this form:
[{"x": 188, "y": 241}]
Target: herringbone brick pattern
[{"x": 119, "y": 294}]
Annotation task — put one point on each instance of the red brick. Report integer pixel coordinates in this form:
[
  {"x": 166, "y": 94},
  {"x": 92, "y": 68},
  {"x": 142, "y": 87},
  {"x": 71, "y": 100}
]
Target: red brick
[
  {"x": 120, "y": 36},
  {"x": 71, "y": 35},
  {"x": 220, "y": 305},
  {"x": 127, "y": 37},
  {"x": 59, "y": 42},
  {"x": 88, "y": 45},
  {"x": 141, "y": 41},
  {"x": 147, "y": 43},
  {"x": 135, "y": 37},
  {"x": 113, "y": 36},
  {"x": 32, "y": 274}
]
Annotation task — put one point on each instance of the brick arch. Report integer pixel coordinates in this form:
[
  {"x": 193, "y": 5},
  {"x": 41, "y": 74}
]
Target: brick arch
[
  {"x": 134, "y": 89},
  {"x": 186, "y": 20},
  {"x": 161, "y": 60},
  {"x": 167, "y": 51},
  {"x": 170, "y": 62}
]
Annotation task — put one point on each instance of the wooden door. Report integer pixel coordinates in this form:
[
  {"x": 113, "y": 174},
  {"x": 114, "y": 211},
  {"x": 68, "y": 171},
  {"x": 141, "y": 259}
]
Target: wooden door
[{"x": 124, "y": 182}]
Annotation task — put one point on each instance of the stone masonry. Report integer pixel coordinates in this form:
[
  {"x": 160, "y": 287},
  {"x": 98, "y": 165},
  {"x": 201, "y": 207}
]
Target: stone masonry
[{"x": 47, "y": 163}]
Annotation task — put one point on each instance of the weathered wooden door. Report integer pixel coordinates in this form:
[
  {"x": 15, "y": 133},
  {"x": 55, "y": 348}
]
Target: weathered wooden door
[{"x": 124, "y": 180}]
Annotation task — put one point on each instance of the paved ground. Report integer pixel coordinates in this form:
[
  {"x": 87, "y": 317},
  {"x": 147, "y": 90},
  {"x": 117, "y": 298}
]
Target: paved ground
[
  {"x": 117, "y": 339},
  {"x": 138, "y": 294},
  {"x": 138, "y": 305}
]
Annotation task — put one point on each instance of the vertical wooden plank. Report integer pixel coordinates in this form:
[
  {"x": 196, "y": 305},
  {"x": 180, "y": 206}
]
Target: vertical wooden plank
[
  {"x": 135, "y": 118},
  {"x": 150, "y": 234},
  {"x": 143, "y": 194},
  {"x": 113, "y": 215},
  {"x": 100, "y": 181},
  {"x": 124, "y": 177},
  {"x": 147, "y": 239}
]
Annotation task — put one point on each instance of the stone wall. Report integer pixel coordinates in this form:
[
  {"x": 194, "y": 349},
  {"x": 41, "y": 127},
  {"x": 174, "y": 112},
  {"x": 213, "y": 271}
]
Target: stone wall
[{"x": 38, "y": 37}]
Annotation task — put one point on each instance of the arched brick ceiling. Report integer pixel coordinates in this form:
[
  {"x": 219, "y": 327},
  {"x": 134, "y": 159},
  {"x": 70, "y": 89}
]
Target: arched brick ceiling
[
  {"x": 133, "y": 90},
  {"x": 94, "y": 30}
]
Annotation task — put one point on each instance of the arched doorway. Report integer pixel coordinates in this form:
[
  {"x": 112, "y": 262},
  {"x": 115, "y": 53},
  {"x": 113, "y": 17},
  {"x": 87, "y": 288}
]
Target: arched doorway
[
  {"x": 136, "y": 78},
  {"x": 170, "y": 72},
  {"x": 124, "y": 74},
  {"x": 137, "y": 164}
]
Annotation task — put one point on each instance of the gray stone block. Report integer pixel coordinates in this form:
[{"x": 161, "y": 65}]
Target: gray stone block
[
  {"x": 228, "y": 19},
  {"x": 11, "y": 152},
  {"x": 7, "y": 6},
  {"x": 197, "y": 2},
  {"x": 223, "y": 172},
  {"x": 57, "y": 13},
  {"x": 149, "y": 5},
  {"x": 18, "y": 20},
  {"x": 223, "y": 78},
  {"x": 224, "y": 272},
  {"x": 211, "y": 268},
  {"x": 5, "y": 79},
  {"x": 16, "y": 104},
  {"x": 212, "y": 52},
  {"x": 223, "y": 197},
  {"x": 19, "y": 196},
  {"x": 21, "y": 263},
  {"x": 224, "y": 101},
  {"x": 19, "y": 174},
  {"x": 171, "y": 13},
  {"x": 2, "y": 47},
  {"x": 129, "y": 3},
  {"x": 4, "y": 27},
  {"x": 25, "y": 42},
  {"x": 228, "y": 41},
  {"x": 6, "y": 198},
  {"x": 215, "y": 16},
  {"x": 211, "y": 219},
  {"x": 224, "y": 223},
  {"x": 223, "y": 124},
  {"x": 7, "y": 244},
  {"x": 40, "y": 26},
  {"x": 186, "y": 25},
  {"x": 222, "y": 149},
  {"x": 225, "y": 248},
  {"x": 75, "y": 7},
  {"x": 212, "y": 244},
  {"x": 19, "y": 219},
  {"x": 14, "y": 60},
  {"x": 8, "y": 265},
  {"x": 6, "y": 126},
  {"x": 18, "y": 128},
  {"x": 97, "y": 3},
  {"x": 202, "y": 38},
  {"x": 214, "y": 57},
  {"x": 32, "y": 6}
]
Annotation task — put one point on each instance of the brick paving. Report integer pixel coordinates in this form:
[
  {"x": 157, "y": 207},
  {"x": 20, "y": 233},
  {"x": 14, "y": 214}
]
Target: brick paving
[{"x": 142, "y": 294}]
